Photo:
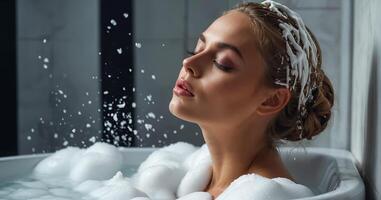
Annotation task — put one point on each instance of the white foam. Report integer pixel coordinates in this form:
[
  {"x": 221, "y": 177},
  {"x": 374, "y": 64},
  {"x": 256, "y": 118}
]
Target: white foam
[
  {"x": 300, "y": 68},
  {"x": 197, "y": 196},
  {"x": 179, "y": 170},
  {"x": 98, "y": 162}
]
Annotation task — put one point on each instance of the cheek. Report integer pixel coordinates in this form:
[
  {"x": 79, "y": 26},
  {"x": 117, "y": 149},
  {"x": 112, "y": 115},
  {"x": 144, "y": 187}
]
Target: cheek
[{"x": 227, "y": 93}]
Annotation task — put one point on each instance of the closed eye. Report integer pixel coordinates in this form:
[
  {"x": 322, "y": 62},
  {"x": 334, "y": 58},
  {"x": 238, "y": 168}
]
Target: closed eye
[{"x": 224, "y": 68}]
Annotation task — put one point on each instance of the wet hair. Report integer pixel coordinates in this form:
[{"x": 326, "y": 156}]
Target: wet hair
[{"x": 309, "y": 108}]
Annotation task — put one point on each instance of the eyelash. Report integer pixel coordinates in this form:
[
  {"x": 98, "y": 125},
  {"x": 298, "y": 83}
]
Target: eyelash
[{"x": 222, "y": 67}]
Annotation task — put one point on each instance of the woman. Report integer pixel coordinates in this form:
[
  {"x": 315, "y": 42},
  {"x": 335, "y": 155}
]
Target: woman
[{"x": 254, "y": 79}]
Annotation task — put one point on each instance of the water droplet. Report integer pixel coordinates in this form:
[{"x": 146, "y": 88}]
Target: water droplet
[
  {"x": 46, "y": 60},
  {"x": 115, "y": 117},
  {"x": 138, "y": 45},
  {"x": 45, "y": 66},
  {"x": 151, "y": 115},
  {"x": 121, "y": 105},
  {"x": 125, "y": 15},
  {"x": 88, "y": 125},
  {"x": 148, "y": 126},
  {"x": 149, "y": 97},
  {"x": 44, "y": 41},
  {"x": 92, "y": 139},
  {"x": 119, "y": 51},
  {"x": 133, "y": 104},
  {"x": 113, "y": 22},
  {"x": 153, "y": 77}
]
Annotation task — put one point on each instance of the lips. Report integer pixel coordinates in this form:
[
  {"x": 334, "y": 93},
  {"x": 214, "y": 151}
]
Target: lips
[{"x": 183, "y": 88}]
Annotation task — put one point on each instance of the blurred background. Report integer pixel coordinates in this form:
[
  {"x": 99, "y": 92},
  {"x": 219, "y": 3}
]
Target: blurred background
[{"x": 78, "y": 72}]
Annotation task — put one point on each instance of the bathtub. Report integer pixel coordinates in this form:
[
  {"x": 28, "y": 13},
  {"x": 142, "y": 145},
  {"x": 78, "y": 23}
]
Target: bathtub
[{"x": 329, "y": 173}]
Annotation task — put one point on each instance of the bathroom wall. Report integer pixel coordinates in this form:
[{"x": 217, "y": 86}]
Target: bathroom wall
[
  {"x": 166, "y": 29},
  {"x": 163, "y": 26},
  {"x": 57, "y": 66},
  {"x": 366, "y": 94}
]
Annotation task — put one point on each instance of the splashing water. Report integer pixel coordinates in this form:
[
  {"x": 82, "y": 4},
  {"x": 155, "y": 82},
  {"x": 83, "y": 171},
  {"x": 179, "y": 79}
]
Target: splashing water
[{"x": 119, "y": 110}]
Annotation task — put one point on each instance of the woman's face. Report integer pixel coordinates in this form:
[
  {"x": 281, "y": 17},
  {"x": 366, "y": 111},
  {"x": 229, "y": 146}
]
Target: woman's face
[{"x": 223, "y": 81}]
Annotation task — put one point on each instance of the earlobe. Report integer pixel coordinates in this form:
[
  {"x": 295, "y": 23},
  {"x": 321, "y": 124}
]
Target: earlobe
[{"x": 275, "y": 102}]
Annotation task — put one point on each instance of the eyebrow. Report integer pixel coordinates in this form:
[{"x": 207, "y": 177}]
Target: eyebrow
[{"x": 222, "y": 45}]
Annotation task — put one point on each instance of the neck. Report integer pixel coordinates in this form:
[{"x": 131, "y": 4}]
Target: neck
[{"x": 234, "y": 150}]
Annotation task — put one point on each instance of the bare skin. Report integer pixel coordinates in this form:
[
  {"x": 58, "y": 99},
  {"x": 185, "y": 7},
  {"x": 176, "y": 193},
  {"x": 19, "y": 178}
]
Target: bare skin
[{"x": 231, "y": 104}]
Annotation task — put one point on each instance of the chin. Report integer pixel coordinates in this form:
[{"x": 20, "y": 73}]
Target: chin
[{"x": 181, "y": 111}]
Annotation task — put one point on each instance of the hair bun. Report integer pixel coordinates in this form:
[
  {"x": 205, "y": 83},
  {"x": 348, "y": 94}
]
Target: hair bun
[{"x": 319, "y": 113}]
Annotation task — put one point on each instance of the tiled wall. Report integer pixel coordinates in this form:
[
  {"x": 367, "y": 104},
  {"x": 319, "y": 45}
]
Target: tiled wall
[
  {"x": 71, "y": 31},
  {"x": 170, "y": 22}
]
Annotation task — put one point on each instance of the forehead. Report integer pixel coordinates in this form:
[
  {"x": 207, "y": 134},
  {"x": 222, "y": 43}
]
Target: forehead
[{"x": 234, "y": 28}]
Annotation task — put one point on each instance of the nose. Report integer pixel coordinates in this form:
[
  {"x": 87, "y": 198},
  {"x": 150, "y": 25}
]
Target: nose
[{"x": 190, "y": 65}]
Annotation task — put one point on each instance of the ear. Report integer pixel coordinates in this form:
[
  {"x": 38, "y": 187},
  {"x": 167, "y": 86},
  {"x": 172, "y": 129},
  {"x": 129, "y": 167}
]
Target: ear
[{"x": 274, "y": 102}]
